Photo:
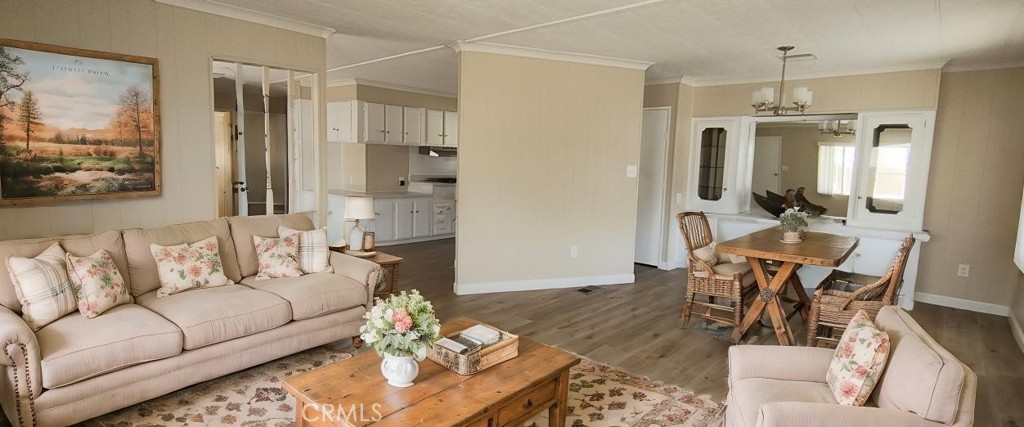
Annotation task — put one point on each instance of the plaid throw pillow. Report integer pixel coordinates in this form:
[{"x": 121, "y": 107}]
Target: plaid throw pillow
[
  {"x": 43, "y": 287},
  {"x": 314, "y": 255}
]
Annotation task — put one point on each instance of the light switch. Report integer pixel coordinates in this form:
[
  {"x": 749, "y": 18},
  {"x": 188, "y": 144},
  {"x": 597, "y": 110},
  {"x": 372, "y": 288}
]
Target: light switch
[
  {"x": 785, "y": 168},
  {"x": 631, "y": 171}
]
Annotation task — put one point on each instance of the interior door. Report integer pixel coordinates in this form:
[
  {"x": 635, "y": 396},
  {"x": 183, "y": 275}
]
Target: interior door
[
  {"x": 393, "y": 124},
  {"x": 767, "y": 164},
  {"x": 650, "y": 217},
  {"x": 374, "y": 115},
  {"x": 224, "y": 161}
]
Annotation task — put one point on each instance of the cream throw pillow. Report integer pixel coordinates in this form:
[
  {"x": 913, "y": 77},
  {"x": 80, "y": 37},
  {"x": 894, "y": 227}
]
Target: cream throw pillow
[
  {"x": 858, "y": 361},
  {"x": 314, "y": 255},
  {"x": 708, "y": 254},
  {"x": 98, "y": 283},
  {"x": 42, "y": 286},
  {"x": 189, "y": 266},
  {"x": 277, "y": 257}
]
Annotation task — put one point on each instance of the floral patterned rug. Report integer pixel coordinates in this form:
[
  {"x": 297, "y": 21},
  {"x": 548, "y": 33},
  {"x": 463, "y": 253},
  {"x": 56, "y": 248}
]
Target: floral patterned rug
[{"x": 599, "y": 395}]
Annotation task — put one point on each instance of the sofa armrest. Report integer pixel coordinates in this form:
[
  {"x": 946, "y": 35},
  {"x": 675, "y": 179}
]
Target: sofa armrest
[
  {"x": 23, "y": 374},
  {"x": 803, "y": 414},
  {"x": 778, "y": 363},
  {"x": 363, "y": 271}
]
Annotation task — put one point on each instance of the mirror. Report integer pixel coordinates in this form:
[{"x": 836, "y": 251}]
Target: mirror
[
  {"x": 889, "y": 165},
  {"x": 712, "y": 164}
]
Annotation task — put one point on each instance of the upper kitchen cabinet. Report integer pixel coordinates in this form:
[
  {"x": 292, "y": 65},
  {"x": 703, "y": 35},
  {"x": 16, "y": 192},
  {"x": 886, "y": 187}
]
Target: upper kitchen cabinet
[
  {"x": 415, "y": 123},
  {"x": 393, "y": 124},
  {"x": 373, "y": 123},
  {"x": 442, "y": 128},
  {"x": 342, "y": 121},
  {"x": 451, "y": 128}
]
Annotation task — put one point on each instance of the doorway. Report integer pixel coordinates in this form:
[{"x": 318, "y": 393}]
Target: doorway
[
  {"x": 652, "y": 185},
  {"x": 223, "y": 153}
]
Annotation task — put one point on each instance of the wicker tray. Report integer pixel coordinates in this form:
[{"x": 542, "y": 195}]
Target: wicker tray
[{"x": 468, "y": 364}]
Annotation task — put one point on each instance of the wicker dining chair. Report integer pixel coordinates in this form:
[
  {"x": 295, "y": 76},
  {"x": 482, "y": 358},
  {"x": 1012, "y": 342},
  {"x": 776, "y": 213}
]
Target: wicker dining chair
[
  {"x": 722, "y": 281},
  {"x": 839, "y": 297}
]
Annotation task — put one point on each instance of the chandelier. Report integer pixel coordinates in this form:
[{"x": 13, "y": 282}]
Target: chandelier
[
  {"x": 837, "y": 127},
  {"x": 763, "y": 100}
]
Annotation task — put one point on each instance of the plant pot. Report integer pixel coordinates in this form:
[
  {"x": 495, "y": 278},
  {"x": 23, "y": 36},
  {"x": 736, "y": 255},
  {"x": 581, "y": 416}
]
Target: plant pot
[
  {"x": 792, "y": 237},
  {"x": 399, "y": 370}
]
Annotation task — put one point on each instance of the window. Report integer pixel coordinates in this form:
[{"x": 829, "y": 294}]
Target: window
[{"x": 835, "y": 168}]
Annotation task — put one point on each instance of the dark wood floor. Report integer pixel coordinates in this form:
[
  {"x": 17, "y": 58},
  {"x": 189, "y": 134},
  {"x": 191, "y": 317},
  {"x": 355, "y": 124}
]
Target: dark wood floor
[{"x": 635, "y": 327}]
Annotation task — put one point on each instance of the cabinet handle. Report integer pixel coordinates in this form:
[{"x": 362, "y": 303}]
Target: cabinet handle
[
  {"x": 528, "y": 404},
  {"x": 490, "y": 422}
]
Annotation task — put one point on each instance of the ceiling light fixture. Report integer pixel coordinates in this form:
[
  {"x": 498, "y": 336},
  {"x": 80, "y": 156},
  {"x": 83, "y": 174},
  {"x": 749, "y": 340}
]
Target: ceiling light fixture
[
  {"x": 763, "y": 100},
  {"x": 837, "y": 127}
]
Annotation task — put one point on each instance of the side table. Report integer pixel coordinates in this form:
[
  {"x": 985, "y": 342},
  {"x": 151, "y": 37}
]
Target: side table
[{"x": 390, "y": 265}]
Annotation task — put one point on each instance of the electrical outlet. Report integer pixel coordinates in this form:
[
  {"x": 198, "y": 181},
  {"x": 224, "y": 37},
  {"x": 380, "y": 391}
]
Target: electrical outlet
[
  {"x": 401, "y": 181},
  {"x": 574, "y": 251},
  {"x": 963, "y": 270},
  {"x": 631, "y": 171}
]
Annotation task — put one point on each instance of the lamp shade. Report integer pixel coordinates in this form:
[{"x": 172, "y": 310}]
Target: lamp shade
[{"x": 359, "y": 208}]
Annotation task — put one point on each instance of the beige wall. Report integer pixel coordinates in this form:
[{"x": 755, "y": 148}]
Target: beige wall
[
  {"x": 800, "y": 157},
  {"x": 974, "y": 184},
  {"x": 1017, "y": 306},
  {"x": 542, "y": 162},
  {"x": 385, "y": 164},
  {"x": 183, "y": 41}
]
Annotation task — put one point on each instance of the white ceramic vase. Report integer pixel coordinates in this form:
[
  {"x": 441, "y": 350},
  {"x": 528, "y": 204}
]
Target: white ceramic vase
[
  {"x": 399, "y": 370},
  {"x": 792, "y": 237}
]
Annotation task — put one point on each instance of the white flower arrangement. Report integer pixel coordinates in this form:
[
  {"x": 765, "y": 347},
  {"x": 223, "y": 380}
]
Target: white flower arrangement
[{"x": 402, "y": 325}]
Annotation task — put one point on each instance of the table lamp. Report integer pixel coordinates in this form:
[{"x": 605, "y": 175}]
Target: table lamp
[{"x": 360, "y": 239}]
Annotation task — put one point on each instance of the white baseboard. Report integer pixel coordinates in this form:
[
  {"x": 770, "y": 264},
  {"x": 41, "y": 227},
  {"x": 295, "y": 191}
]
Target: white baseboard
[
  {"x": 416, "y": 240},
  {"x": 539, "y": 284},
  {"x": 1018, "y": 333},
  {"x": 965, "y": 304}
]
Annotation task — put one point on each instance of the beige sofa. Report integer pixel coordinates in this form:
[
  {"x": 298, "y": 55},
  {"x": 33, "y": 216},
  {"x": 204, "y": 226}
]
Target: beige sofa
[
  {"x": 922, "y": 385},
  {"x": 76, "y": 368}
]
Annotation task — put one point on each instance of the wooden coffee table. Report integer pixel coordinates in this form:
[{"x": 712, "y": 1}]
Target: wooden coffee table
[{"x": 353, "y": 392}]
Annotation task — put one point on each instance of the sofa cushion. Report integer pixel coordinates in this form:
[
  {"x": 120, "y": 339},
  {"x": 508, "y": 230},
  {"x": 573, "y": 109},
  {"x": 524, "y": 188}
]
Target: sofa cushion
[
  {"x": 921, "y": 376},
  {"x": 244, "y": 227},
  {"x": 82, "y": 245},
  {"x": 142, "y": 267},
  {"x": 212, "y": 315},
  {"x": 747, "y": 395},
  {"x": 725, "y": 271},
  {"x": 75, "y": 348},
  {"x": 314, "y": 294}
]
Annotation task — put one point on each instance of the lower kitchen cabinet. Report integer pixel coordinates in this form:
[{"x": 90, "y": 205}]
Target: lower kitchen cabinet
[{"x": 404, "y": 218}]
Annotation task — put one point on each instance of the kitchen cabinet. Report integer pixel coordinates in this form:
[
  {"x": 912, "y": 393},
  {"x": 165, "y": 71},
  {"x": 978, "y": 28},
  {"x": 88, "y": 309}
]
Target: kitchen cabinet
[
  {"x": 414, "y": 125},
  {"x": 342, "y": 121},
  {"x": 393, "y": 124},
  {"x": 435, "y": 127},
  {"x": 444, "y": 218},
  {"x": 404, "y": 217},
  {"x": 421, "y": 218},
  {"x": 451, "y": 129},
  {"x": 373, "y": 125},
  {"x": 385, "y": 224}
]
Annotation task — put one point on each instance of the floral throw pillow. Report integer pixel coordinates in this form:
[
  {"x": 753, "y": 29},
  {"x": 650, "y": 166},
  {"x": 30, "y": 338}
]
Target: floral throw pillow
[
  {"x": 858, "y": 361},
  {"x": 314, "y": 255},
  {"x": 189, "y": 266},
  {"x": 278, "y": 257},
  {"x": 98, "y": 283},
  {"x": 42, "y": 286}
]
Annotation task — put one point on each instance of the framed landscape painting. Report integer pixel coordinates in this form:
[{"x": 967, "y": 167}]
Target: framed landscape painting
[{"x": 76, "y": 124}]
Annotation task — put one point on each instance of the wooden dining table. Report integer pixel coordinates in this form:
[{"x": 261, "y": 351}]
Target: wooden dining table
[{"x": 820, "y": 249}]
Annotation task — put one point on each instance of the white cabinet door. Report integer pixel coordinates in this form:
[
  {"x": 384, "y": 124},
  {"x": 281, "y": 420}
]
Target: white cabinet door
[
  {"x": 714, "y": 158},
  {"x": 451, "y": 128},
  {"x": 335, "y": 218},
  {"x": 333, "y": 116},
  {"x": 347, "y": 121},
  {"x": 435, "y": 127},
  {"x": 422, "y": 217},
  {"x": 393, "y": 124},
  {"x": 384, "y": 226},
  {"x": 404, "y": 210},
  {"x": 414, "y": 125},
  {"x": 373, "y": 123}
]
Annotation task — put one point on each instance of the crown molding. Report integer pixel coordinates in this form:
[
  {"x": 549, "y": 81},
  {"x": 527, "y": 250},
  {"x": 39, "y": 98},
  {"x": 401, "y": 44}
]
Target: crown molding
[
  {"x": 367, "y": 82},
  {"x": 220, "y": 9},
  {"x": 790, "y": 76},
  {"x": 663, "y": 81},
  {"x": 504, "y": 49},
  {"x": 955, "y": 68}
]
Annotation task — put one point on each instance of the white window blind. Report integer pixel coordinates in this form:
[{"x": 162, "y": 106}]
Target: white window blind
[{"x": 835, "y": 168}]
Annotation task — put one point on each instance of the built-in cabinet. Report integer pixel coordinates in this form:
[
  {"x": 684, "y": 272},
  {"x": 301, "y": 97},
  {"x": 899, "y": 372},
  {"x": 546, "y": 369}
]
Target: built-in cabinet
[
  {"x": 404, "y": 218},
  {"x": 373, "y": 123},
  {"x": 444, "y": 217}
]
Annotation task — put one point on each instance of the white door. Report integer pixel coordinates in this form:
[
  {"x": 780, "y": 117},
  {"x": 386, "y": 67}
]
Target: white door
[
  {"x": 767, "y": 164},
  {"x": 414, "y": 123},
  {"x": 650, "y": 216},
  {"x": 223, "y": 163},
  {"x": 435, "y": 127},
  {"x": 451, "y": 128},
  {"x": 384, "y": 225},
  {"x": 393, "y": 124},
  {"x": 374, "y": 119},
  {"x": 422, "y": 217},
  {"x": 404, "y": 210}
]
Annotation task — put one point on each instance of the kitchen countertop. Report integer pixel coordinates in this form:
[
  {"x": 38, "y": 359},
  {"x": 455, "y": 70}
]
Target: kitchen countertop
[{"x": 379, "y": 194}]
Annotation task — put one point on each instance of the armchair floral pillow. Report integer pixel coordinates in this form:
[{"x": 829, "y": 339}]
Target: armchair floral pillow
[
  {"x": 97, "y": 282},
  {"x": 858, "y": 361},
  {"x": 189, "y": 266}
]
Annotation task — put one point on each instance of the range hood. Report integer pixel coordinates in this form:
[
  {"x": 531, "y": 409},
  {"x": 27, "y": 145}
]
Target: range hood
[{"x": 439, "y": 151}]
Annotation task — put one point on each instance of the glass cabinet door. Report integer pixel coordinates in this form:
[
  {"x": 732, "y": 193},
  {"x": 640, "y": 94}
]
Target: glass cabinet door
[{"x": 714, "y": 158}]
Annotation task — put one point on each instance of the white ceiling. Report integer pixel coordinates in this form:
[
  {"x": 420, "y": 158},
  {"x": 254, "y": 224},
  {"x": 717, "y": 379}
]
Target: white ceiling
[{"x": 704, "y": 41}]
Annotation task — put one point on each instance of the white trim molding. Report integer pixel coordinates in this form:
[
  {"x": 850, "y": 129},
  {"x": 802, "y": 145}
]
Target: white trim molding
[
  {"x": 529, "y": 52},
  {"x": 348, "y": 81},
  {"x": 248, "y": 15},
  {"x": 1018, "y": 333},
  {"x": 540, "y": 284},
  {"x": 964, "y": 304}
]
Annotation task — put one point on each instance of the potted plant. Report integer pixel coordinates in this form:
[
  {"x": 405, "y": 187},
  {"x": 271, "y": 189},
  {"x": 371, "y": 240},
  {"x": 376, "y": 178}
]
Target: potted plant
[
  {"x": 793, "y": 224},
  {"x": 401, "y": 329}
]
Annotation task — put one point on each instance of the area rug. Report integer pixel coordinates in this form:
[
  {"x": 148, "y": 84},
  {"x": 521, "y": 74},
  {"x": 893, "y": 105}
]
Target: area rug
[{"x": 599, "y": 396}]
